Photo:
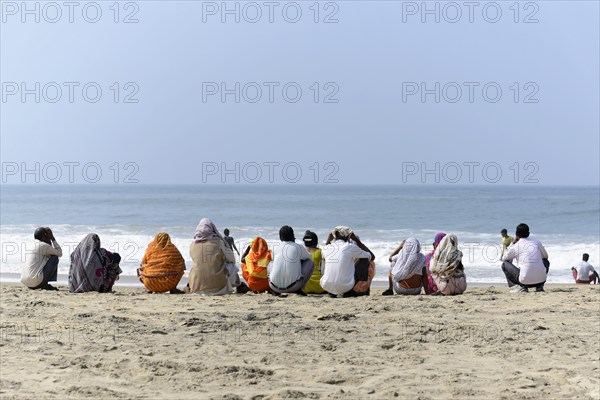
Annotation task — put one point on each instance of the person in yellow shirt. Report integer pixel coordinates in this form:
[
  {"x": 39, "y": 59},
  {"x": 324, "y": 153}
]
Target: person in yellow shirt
[
  {"x": 506, "y": 241},
  {"x": 311, "y": 242}
]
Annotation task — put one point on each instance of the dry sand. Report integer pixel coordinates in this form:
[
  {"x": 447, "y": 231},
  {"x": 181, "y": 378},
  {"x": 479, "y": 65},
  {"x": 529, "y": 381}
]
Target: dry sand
[{"x": 486, "y": 344}]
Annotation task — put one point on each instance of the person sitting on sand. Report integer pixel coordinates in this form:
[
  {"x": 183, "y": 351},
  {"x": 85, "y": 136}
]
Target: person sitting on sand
[
  {"x": 255, "y": 262},
  {"x": 447, "y": 268},
  {"x": 93, "y": 268},
  {"x": 311, "y": 242},
  {"x": 347, "y": 264},
  {"x": 229, "y": 241},
  {"x": 41, "y": 265},
  {"x": 506, "y": 241},
  {"x": 408, "y": 273},
  {"x": 162, "y": 266},
  {"x": 292, "y": 265},
  {"x": 433, "y": 289},
  {"x": 532, "y": 261},
  {"x": 584, "y": 272},
  {"x": 214, "y": 271}
]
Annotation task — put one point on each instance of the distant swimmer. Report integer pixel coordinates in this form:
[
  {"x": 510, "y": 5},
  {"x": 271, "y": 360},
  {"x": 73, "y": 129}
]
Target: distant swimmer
[
  {"x": 583, "y": 272},
  {"x": 229, "y": 241},
  {"x": 506, "y": 241}
]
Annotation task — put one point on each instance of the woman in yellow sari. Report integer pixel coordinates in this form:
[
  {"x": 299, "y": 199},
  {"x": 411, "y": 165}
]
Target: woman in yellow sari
[
  {"x": 162, "y": 266},
  {"x": 255, "y": 260}
]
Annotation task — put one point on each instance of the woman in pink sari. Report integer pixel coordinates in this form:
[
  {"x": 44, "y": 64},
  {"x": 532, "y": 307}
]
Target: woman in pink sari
[{"x": 433, "y": 289}]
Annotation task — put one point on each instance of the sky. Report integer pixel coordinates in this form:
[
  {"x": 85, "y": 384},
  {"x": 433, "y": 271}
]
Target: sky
[{"x": 352, "y": 92}]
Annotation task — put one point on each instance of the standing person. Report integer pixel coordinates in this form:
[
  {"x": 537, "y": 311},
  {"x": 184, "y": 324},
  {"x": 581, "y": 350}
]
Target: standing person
[
  {"x": 162, "y": 266},
  {"x": 214, "y": 271},
  {"x": 229, "y": 241},
  {"x": 583, "y": 272},
  {"x": 506, "y": 241},
  {"x": 292, "y": 265},
  {"x": 447, "y": 268},
  {"x": 311, "y": 242},
  {"x": 41, "y": 265},
  {"x": 408, "y": 273},
  {"x": 93, "y": 269},
  {"x": 347, "y": 264},
  {"x": 532, "y": 261}
]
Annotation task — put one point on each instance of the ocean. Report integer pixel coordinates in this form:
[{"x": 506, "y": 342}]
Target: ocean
[{"x": 126, "y": 217}]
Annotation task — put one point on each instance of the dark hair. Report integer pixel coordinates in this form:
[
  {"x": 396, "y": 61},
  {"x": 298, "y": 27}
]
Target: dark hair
[
  {"x": 586, "y": 256},
  {"x": 286, "y": 234},
  {"x": 40, "y": 233},
  {"x": 504, "y": 231},
  {"x": 522, "y": 231},
  {"x": 310, "y": 239},
  {"x": 226, "y": 232}
]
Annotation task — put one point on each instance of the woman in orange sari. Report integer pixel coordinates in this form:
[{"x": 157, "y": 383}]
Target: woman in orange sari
[
  {"x": 162, "y": 266},
  {"x": 255, "y": 260}
]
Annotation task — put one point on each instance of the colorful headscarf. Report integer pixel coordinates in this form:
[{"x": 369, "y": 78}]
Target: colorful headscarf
[
  {"x": 161, "y": 240},
  {"x": 431, "y": 282},
  {"x": 436, "y": 241},
  {"x": 446, "y": 257},
  {"x": 258, "y": 258},
  {"x": 206, "y": 230}
]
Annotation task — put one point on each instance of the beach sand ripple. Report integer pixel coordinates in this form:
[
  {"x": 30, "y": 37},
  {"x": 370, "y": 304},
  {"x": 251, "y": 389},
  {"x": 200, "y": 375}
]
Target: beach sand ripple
[{"x": 486, "y": 344}]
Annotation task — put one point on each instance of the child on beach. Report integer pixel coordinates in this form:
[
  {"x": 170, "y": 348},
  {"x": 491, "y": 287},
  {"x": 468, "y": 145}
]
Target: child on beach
[{"x": 229, "y": 241}]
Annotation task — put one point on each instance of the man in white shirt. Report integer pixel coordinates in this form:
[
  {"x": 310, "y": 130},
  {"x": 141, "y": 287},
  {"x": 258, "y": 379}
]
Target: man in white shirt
[
  {"x": 292, "y": 265},
  {"x": 342, "y": 262},
  {"x": 41, "y": 265},
  {"x": 584, "y": 272},
  {"x": 532, "y": 262}
]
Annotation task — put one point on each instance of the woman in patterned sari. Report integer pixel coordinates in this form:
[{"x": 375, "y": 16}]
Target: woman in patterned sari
[
  {"x": 93, "y": 269},
  {"x": 447, "y": 268}
]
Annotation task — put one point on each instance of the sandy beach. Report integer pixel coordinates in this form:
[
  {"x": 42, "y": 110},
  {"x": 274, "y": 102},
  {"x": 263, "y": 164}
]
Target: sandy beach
[{"x": 487, "y": 343}]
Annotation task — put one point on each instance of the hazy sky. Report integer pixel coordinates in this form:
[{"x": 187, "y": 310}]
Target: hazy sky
[{"x": 362, "y": 69}]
